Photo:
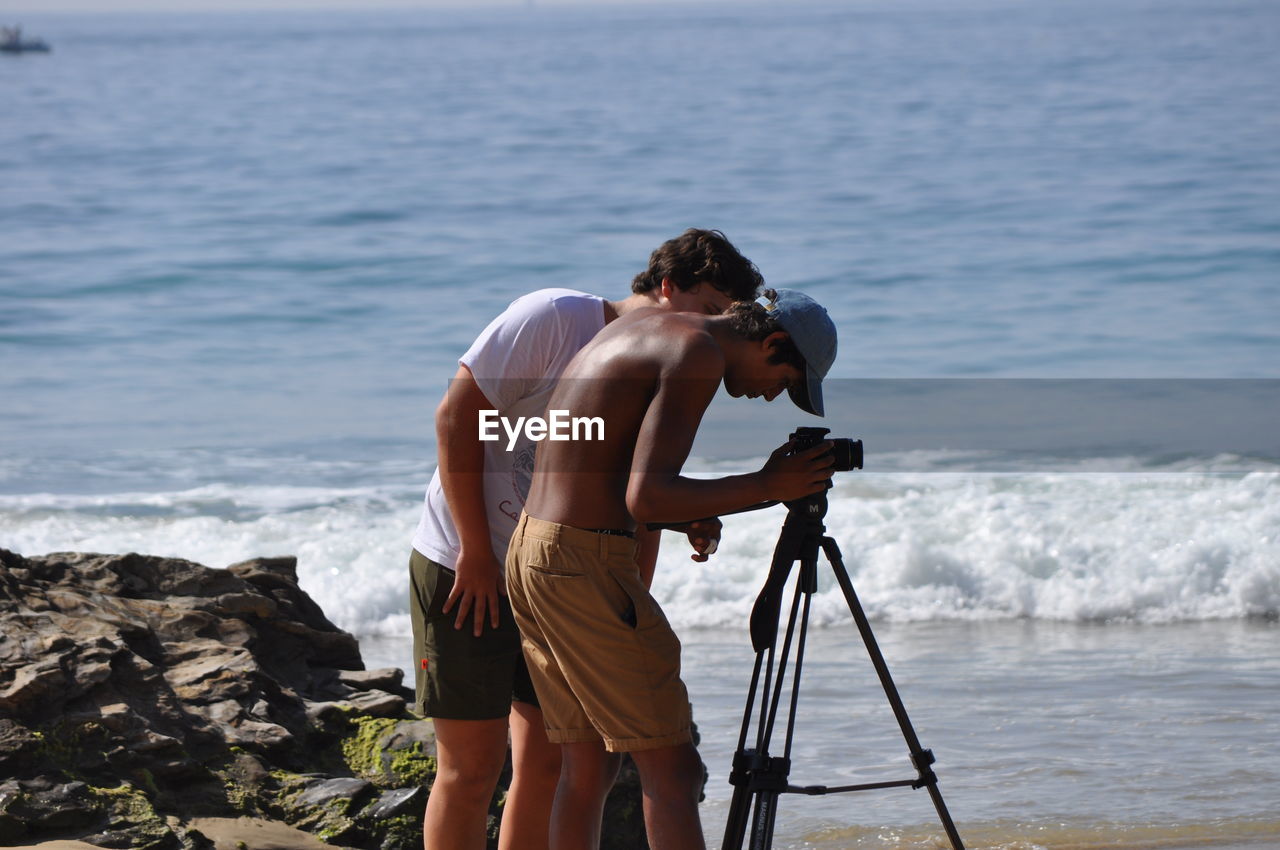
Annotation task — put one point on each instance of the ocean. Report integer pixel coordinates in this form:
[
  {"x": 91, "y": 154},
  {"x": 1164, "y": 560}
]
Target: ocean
[{"x": 240, "y": 254}]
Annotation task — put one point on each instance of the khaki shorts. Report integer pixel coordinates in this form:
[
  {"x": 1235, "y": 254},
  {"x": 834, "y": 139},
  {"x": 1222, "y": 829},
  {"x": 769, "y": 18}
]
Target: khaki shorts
[{"x": 603, "y": 658}]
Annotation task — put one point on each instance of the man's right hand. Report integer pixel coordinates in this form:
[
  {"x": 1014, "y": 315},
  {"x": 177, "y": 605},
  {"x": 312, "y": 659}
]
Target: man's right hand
[
  {"x": 477, "y": 577},
  {"x": 793, "y": 476},
  {"x": 477, "y": 584}
]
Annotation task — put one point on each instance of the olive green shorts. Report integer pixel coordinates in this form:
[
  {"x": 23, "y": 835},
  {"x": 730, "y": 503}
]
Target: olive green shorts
[{"x": 461, "y": 676}]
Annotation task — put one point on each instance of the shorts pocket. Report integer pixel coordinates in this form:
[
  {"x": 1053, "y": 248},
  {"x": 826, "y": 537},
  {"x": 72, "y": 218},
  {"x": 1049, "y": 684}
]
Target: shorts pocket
[
  {"x": 552, "y": 571},
  {"x": 430, "y": 585},
  {"x": 641, "y": 610},
  {"x": 537, "y": 556},
  {"x": 439, "y": 586}
]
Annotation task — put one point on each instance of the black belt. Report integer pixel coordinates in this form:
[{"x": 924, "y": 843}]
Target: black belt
[{"x": 616, "y": 532}]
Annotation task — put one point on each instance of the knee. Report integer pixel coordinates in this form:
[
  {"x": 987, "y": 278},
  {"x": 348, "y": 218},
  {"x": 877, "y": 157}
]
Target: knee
[
  {"x": 468, "y": 780},
  {"x": 678, "y": 789},
  {"x": 675, "y": 778},
  {"x": 589, "y": 779}
]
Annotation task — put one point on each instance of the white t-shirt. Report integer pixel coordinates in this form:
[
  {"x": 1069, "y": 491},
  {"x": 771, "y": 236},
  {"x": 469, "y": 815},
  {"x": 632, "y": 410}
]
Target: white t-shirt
[{"x": 516, "y": 362}]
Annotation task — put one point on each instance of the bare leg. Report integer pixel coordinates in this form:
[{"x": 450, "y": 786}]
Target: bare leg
[
  {"x": 469, "y": 758},
  {"x": 535, "y": 770},
  {"x": 671, "y": 778},
  {"x": 587, "y": 774}
]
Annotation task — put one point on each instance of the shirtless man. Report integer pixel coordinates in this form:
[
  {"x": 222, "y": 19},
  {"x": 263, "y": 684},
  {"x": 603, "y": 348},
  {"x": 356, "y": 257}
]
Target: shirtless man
[{"x": 604, "y": 661}]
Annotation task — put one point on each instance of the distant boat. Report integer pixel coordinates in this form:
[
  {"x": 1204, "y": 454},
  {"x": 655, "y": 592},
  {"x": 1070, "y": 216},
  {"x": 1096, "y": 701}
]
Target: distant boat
[{"x": 11, "y": 41}]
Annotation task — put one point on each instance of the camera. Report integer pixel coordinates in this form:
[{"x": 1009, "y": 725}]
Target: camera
[{"x": 846, "y": 453}]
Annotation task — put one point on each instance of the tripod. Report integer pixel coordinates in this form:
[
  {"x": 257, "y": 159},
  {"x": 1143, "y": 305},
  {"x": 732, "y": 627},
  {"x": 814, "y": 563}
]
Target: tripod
[{"x": 757, "y": 777}]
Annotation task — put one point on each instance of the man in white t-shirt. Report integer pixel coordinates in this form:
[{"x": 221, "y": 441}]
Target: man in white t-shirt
[{"x": 471, "y": 679}]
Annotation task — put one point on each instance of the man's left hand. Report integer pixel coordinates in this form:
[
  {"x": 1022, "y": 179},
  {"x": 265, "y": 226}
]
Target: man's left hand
[{"x": 704, "y": 536}]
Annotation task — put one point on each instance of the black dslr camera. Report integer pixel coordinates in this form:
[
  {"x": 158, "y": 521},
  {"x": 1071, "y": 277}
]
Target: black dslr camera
[{"x": 846, "y": 453}]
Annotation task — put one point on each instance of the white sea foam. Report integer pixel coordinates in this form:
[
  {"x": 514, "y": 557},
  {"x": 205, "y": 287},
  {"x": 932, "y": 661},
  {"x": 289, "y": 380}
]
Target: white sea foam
[
  {"x": 1139, "y": 546},
  {"x": 1153, "y": 547}
]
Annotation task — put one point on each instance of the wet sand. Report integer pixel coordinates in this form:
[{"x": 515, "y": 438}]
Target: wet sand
[{"x": 227, "y": 834}]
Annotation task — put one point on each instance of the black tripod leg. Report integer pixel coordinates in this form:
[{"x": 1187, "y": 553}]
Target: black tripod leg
[
  {"x": 740, "y": 774},
  {"x": 762, "y": 824},
  {"x": 920, "y": 757},
  {"x": 744, "y": 806},
  {"x": 735, "y": 828}
]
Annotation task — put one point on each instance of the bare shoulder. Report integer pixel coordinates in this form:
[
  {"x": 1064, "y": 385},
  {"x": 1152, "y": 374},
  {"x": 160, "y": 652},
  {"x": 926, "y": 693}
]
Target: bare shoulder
[
  {"x": 657, "y": 343},
  {"x": 684, "y": 345}
]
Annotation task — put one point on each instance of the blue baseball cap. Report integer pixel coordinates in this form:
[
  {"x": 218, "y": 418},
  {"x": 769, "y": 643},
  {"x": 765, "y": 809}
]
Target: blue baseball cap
[{"x": 814, "y": 335}]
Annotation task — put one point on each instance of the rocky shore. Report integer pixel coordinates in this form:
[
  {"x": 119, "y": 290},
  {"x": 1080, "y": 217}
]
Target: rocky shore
[{"x": 156, "y": 703}]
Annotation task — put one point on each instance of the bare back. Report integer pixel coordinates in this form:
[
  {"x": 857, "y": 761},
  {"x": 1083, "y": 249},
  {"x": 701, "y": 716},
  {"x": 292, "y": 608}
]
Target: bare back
[{"x": 646, "y": 362}]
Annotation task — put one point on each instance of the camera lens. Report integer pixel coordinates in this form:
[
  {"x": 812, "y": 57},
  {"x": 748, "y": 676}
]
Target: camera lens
[{"x": 846, "y": 453}]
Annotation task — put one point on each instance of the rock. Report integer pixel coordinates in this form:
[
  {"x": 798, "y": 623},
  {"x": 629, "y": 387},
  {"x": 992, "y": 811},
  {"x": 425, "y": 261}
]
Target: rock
[
  {"x": 55, "y": 808},
  {"x": 386, "y": 679},
  {"x": 325, "y": 793},
  {"x": 379, "y": 704},
  {"x": 254, "y": 834},
  {"x": 396, "y": 802},
  {"x": 245, "y": 603},
  {"x": 19, "y": 746},
  {"x": 268, "y": 573},
  {"x": 392, "y": 753},
  {"x": 143, "y": 696},
  {"x": 326, "y": 715},
  {"x": 33, "y": 685},
  {"x": 134, "y": 688},
  {"x": 12, "y": 825}
]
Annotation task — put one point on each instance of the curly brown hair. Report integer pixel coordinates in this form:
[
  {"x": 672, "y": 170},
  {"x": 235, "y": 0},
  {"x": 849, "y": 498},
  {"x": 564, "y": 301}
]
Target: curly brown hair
[
  {"x": 752, "y": 321},
  {"x": 701, "y": 256}
]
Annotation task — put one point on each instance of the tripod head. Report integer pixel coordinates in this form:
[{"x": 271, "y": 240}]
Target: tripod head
[{"x": 802, "y": 535}]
